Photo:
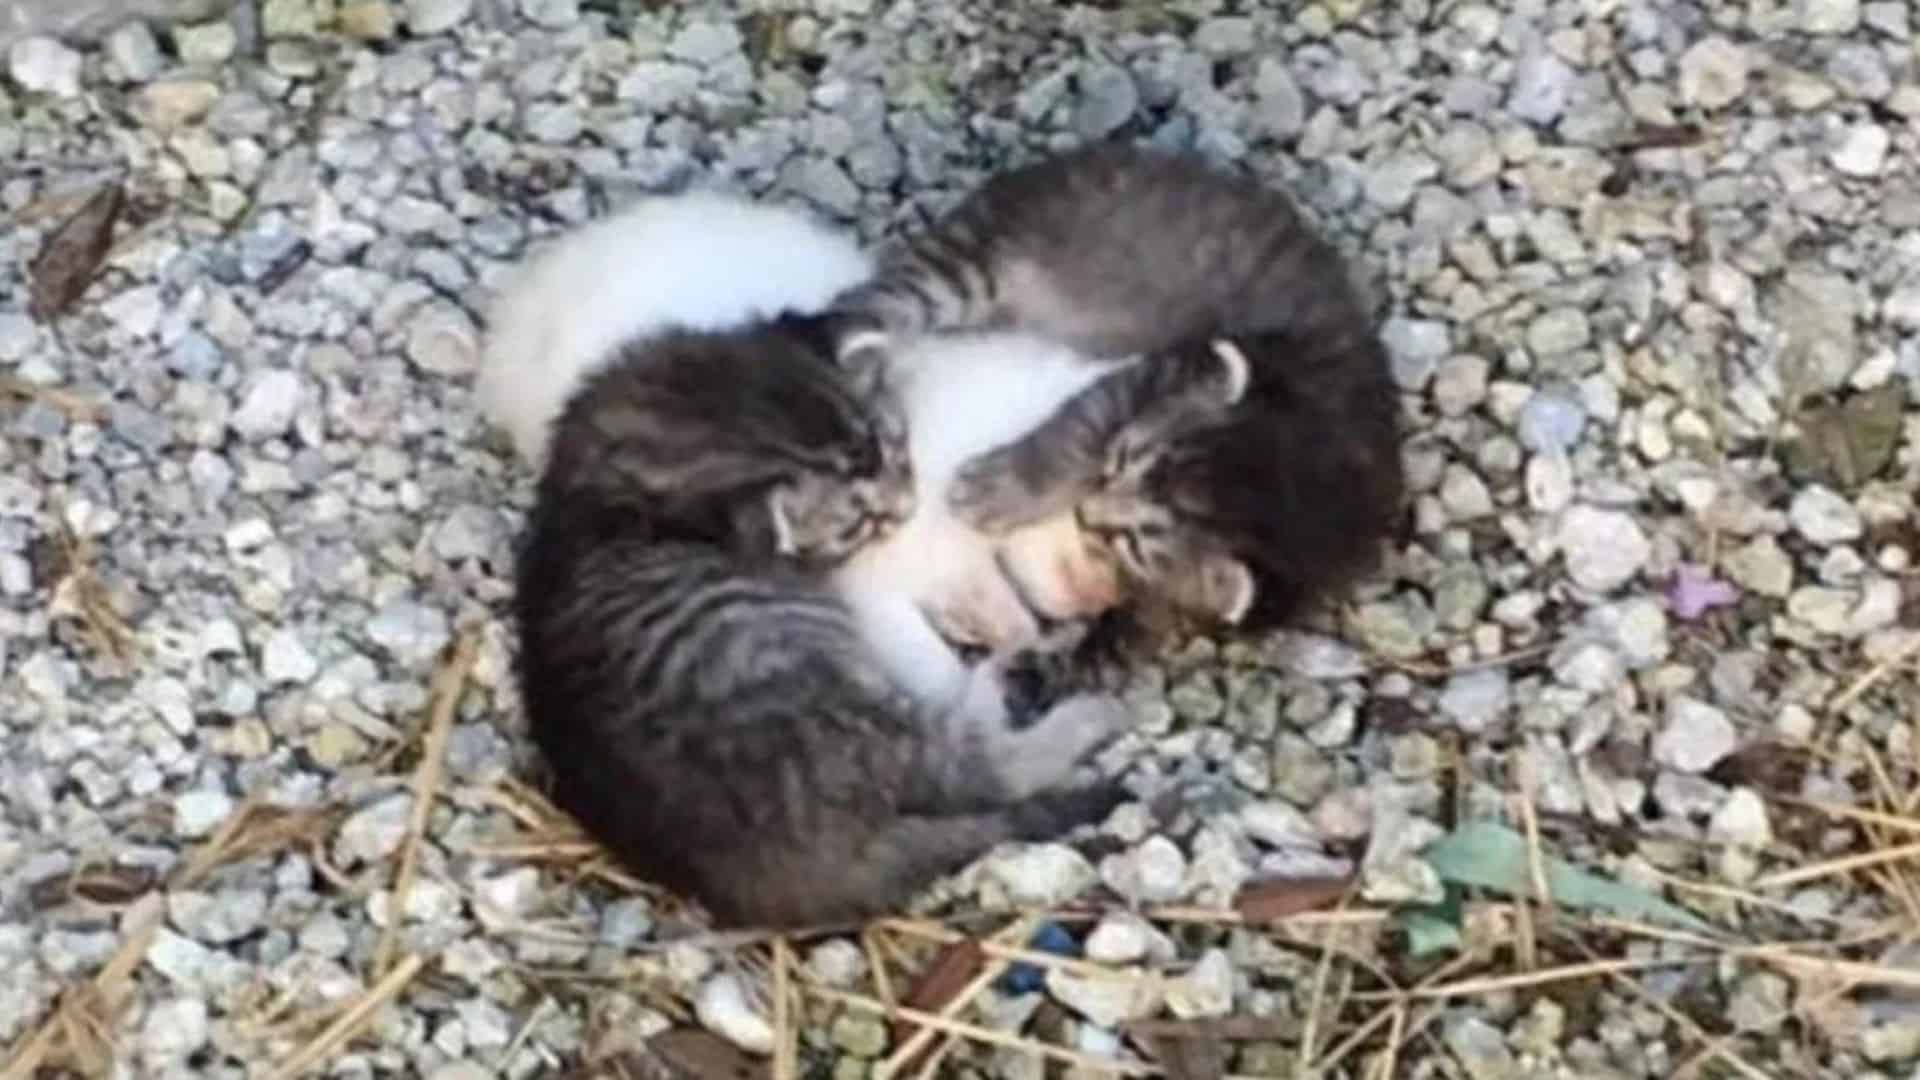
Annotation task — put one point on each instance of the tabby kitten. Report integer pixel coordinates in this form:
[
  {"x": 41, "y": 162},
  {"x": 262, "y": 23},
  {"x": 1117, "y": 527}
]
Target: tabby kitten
[
  {"x": 714, "y": 713},
  {"x": 1245, "y": 501}
]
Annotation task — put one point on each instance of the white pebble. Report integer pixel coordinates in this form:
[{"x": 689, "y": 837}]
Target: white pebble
[
  {"x": 41, "y": 65},
  {"x": 1862, "y": 151},
  {"x": 197, "y": 813},
  {"x": 1206, "y": 990},
  {"x": 1042, "y": 874},
  {"x": 1695, "y": 738},
  {"x": 1604, "y": 548},
  {"x": 286, "y": 659},
  {"x": 721, "y": 1007},
  {"x": 1824, "y": 517}
]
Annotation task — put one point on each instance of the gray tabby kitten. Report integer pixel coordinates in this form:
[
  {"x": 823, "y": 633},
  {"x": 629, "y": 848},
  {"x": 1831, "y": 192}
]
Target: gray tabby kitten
[
  {"x": 706, "y": 701},
  {"x": 1246, "y": 464}
]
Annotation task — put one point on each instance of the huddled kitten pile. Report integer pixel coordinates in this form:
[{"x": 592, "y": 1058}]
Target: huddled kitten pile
[{"x": 781, "y": 487}]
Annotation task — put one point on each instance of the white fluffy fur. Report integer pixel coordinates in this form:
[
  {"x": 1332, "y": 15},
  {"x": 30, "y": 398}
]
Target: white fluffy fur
[
  {"x": 698, "y": 260},
  {"x": 709, "y": 261},
  {"x": 964, "y": 395}
]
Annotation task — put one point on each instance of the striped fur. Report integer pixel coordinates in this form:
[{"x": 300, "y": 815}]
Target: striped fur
[
  {"x": 1286, "y": 491},
  {"x": 716, "y": 714}
]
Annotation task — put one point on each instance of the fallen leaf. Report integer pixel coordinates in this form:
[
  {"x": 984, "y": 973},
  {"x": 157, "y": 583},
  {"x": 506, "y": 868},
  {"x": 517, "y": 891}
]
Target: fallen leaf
[
  {"x": 1434, "y": 928},
  {"x": 695, "y": 1055},
  {"x": 72, "y": 253},
  {"x": 1492, "y": 856},
  {"x": 1767, "y": 766},
  {"x": 1276, "y": 898},
  {"x": 952, "y": 969},
  {"x": 1845, "y": 443},
  {"x": 111, "y": 885},
  {"x": 1190, "y": 1059}
]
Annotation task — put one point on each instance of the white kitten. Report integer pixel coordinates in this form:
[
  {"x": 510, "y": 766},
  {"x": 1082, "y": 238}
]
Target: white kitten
[{"x": 698, "y": 260}]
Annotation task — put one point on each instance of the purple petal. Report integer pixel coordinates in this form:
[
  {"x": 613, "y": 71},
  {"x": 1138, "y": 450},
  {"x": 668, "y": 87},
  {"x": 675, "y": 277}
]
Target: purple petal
[{"x": 1694, "y": 591}]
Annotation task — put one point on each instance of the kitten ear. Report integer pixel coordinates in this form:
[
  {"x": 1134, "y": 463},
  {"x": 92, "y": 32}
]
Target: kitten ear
[
  {"x": 865, "y": 357},
  {"x": 1225, "y": 588},
  {"x": 1238, "y": 372},
  {"x": 783, "y": 542}
]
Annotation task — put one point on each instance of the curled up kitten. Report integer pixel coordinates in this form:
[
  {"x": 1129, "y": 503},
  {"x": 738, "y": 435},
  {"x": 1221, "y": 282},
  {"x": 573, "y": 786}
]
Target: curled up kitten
[
  {"x": 1240, "y": 457},
  {"x": 717, "y": 717},
  {"x": 705, "y": 690}
]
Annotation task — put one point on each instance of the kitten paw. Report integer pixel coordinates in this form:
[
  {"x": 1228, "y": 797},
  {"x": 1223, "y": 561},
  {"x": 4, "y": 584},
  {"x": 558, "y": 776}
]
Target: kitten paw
[{"x": 983, "y": 496}]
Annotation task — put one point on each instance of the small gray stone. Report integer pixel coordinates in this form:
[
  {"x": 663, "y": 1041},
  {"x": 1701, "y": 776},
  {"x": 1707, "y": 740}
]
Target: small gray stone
[
  {"x": 1604, "y": 548},
  {"x": 1542, "y": 83},
  {"x": 1835, "y": 17},
  {"x": 268, "y": 407},
  {"x": 554, "y": 124},
  {"x": 173, "y": 1031},
  {"x": 1225, "y": 36},
  {"x": 426, "y": 17},
  {"x": 1560, "y": 330},
  {"x": 1108, "y": 98},
  {"x": 1551, "y": 420},
  {"x": 1474, "y": 700},
  {"x": 41, "y": 65},
  {"x": 413, "y": 633},
  {"x": 1481, "y": 1050},
  {"x": 285, "y": 659},
  {"x": 704, "y": 43},
  {"x": 1695, "y": 738},
  {"x": 1713, "y": 73},
  {"x": 376, "y": 832},
  {"x": 551, "y": 14},
  {"x": 441, "y": 340},
  {"x": 1392, "y": 183},
  {"x": 824, "y": 182},
  {"x": 1416, "y": 346},
  {"x": 1154, "y": 872},
  {"x": 1043, "y": 874},
  {"x": 134, "y": 52},
  {"x": 1741, "y": 821},
  {"x": 1281, "y": 107},
  {"x": 1760, "y": 566},
  {"x": 1862, "y": 150},
  {"x": 207, "y": 44},
  {"x": 198, "y": 813},
  {"x": 1824, "y": 517}
]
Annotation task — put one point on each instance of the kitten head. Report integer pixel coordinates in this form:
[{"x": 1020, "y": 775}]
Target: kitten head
[
  {"x": 1155, "y": 546},
  {"x": 859, "y": 488},
  {"x": 752, "y": 437},
  {"x": 1264, "y": 507}
]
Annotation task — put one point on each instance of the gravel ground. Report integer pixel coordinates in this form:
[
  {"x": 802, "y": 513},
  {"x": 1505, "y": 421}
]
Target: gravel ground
[{"x": 1655, "y": 278}]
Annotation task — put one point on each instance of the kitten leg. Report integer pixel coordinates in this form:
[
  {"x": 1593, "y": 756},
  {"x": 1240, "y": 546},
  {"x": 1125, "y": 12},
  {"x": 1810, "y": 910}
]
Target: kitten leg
[{"x": 1042, "y": 756}]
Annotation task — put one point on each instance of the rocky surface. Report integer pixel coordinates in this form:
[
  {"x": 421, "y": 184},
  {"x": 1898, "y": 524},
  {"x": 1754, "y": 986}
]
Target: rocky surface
[{"x": 1652, "y": 273}]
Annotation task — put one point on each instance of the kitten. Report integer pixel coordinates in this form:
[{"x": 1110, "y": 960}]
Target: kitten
[
  {"x": 720, "y": 718},
  {"x": 716, "y": 706},
  {"x": 1258, "y": 497}
]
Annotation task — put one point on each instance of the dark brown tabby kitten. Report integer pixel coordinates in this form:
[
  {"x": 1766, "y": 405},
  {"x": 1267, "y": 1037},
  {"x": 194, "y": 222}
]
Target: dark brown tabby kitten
[
  {"x": 1120, "y": 251},
  {"x": 710, "y": 707}
]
